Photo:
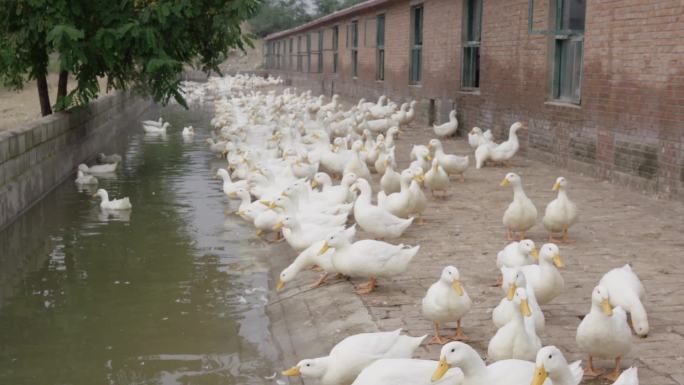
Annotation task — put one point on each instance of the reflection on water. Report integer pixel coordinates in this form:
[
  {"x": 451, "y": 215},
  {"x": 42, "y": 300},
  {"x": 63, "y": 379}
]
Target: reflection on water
[{"x": 172, "y": 292}]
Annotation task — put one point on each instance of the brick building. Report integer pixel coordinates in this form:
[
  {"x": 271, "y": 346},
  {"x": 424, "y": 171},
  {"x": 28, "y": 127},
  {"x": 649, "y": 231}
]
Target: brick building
[{"x": 599, "y": 82}]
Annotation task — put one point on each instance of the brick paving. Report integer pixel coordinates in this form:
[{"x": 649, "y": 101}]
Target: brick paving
[{"x": 616, "y": 226}]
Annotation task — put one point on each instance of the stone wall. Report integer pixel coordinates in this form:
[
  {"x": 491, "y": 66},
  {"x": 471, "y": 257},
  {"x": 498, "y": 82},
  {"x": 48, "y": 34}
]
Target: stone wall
[
  {"x": 628, "y": 128},
  {"x": 36, "y": 157}
]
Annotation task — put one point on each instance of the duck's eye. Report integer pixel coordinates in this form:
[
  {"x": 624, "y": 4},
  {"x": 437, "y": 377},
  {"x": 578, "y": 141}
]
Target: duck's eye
[
  {"x": 550, "y": 355},
  {"x": 453, "y": 350},
  {"x": 308, "y": 364}
]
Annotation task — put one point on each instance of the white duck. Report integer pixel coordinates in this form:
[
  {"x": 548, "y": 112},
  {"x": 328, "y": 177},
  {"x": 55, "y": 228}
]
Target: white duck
[
  {"x": 228, "y": 185},
  {"x": 391, "y": 180},
  {"x": 85, "y": 179},
  {"x": 423, "y": 159},
  {"x": 355, "y": 165},
  {"x": 448, "y": 128},
  {"x": 98, "y": 168},
  {"x": 447, "y": 301},
  {"x": 351, "y": 355},
  {"x": 452, "y": 164},
  {"x": 552, "y": 364},
  {"x": 368, "y": 258},
  {"x": 516, "y": 254},
  {"x": 302, "y": 235},
  {"x": 561, "y": 213},
  {"x": 436, "y": 179},
  {"x": 545, "y": 278},
  {"x": 521, "y": 214},
  {"x": 303, "y": 167},
  {"x": 115, "y": 204},
  {"x": 517, "y": 339},
  {"x": 604, "y": 333},
  {"x": 397, "y": 371},
  {"x": 188, "y": 131},
  {"x": 310, "y": 257},
  {"x": 627, "y": 291},
  {"x": 418, "y": 149},
  {"x": 476, "y": 372},
  {"x": 506, "y": 150},
  {"x": 257, "y": 207},
  {"x": 417, "y": 199},
  {"x": 475, "y": 137},
  {"x": 628, "y": 377},
  {"x": 513, "y": 278},
  {"x": 385, "y": 159},
  {"x": 398, "y": 203},
  {"x": 373, "y": 219},
  {"x": 154, "y": 129}
]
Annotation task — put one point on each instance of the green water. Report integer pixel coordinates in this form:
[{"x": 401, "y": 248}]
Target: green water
[{"x": 163, "y": 296}]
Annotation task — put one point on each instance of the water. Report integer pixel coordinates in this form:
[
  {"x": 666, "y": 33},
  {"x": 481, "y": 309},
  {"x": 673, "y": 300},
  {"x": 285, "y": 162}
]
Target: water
[{"x": 172, "y": 294}]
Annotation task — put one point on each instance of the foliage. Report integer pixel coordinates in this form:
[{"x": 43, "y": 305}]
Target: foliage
[
  {"x": 278, "y": 15},
  {"x": 139, "y": 44},
  {"x": 325, "y": 7}
]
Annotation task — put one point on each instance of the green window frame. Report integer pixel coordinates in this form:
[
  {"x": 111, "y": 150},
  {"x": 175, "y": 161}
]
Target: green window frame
[
  {"x": 568, "y": 49},
  {"x": 335, "y": 46},
  {"x": 380, "y": 47},
  {"x": 299, "y": 54},
  {"x": 415, "y": 68},
  {"x": 308, "y": 52},
  {"x": 320, "y": 51},
  {"x": 472, "y": 38},
  {"x": 355, "y": 48}
]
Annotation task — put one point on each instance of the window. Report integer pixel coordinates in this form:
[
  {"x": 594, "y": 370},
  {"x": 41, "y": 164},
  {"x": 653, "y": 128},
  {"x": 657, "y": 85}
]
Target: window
[
  {"x": 472, "y": 36},
  {"x": 568, "y": 46},
  {"x": 290, "y": 64},
  {"x": 308, "y": 52},
  {"x": 416, "y": 44},
  {"x": 355, "y": 48},
  {"x": 320, "y": 51},
  {"x": 277, "y": 55},
  {"x": 299, "y": 53},
  {"x": 380, "y": 47},
  {"x": 335, "y": 46}
]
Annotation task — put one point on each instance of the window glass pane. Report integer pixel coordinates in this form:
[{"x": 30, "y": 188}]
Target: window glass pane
[
  {"x": 354, "y": 34},
  {"x": 418, "y": 25},
  {"x": 474, "y": 17},
  {"x": 573, "y": 16},
  {"x": 471, "y": 67},
  {"x": 335, "y": 38},
  {"x": 380, "y": 33},
  {"x": 570, "y": 69}
]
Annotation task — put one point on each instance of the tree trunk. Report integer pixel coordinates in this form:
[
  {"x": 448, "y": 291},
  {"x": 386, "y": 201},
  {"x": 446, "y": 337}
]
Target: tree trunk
[
  {"x": 62, "y": 86},
  {"x": 43, "y": 94}
]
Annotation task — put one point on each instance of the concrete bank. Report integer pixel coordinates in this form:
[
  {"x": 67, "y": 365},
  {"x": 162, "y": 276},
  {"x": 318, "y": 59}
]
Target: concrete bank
[
  {"x": 617, "y": 226},
  {"x": 37, "y": 156}
]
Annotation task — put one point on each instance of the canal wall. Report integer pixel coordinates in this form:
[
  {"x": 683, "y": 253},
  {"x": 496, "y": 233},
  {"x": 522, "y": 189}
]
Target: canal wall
[{"x": 36, "y": 157}]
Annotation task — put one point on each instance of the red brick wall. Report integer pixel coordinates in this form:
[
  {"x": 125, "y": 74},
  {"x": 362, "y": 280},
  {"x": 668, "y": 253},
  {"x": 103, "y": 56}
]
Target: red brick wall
[{"x": 629, "y": 127}]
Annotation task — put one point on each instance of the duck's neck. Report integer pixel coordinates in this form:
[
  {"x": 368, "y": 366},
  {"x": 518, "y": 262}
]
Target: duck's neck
[
  {"x": 562, "y": 375},
  {"x": 513, "y": 134},
  {"x": 365, "y": 195},
  {"x": 105, "y": 197},
  {"x": 518, "y": 192},
  {"x": 562, "y": 194},
  {"x": 473, "y": 367}
]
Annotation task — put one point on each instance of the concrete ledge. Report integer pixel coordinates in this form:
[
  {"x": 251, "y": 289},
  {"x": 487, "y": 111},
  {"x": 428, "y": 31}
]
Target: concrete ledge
[{"x": 37, "y": 156}]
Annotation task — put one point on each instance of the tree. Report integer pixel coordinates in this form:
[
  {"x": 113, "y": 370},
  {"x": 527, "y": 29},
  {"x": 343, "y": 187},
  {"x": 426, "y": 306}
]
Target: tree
[
  {"x": 278, "y": 15},
  {"x": 133, "y": 44}
]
